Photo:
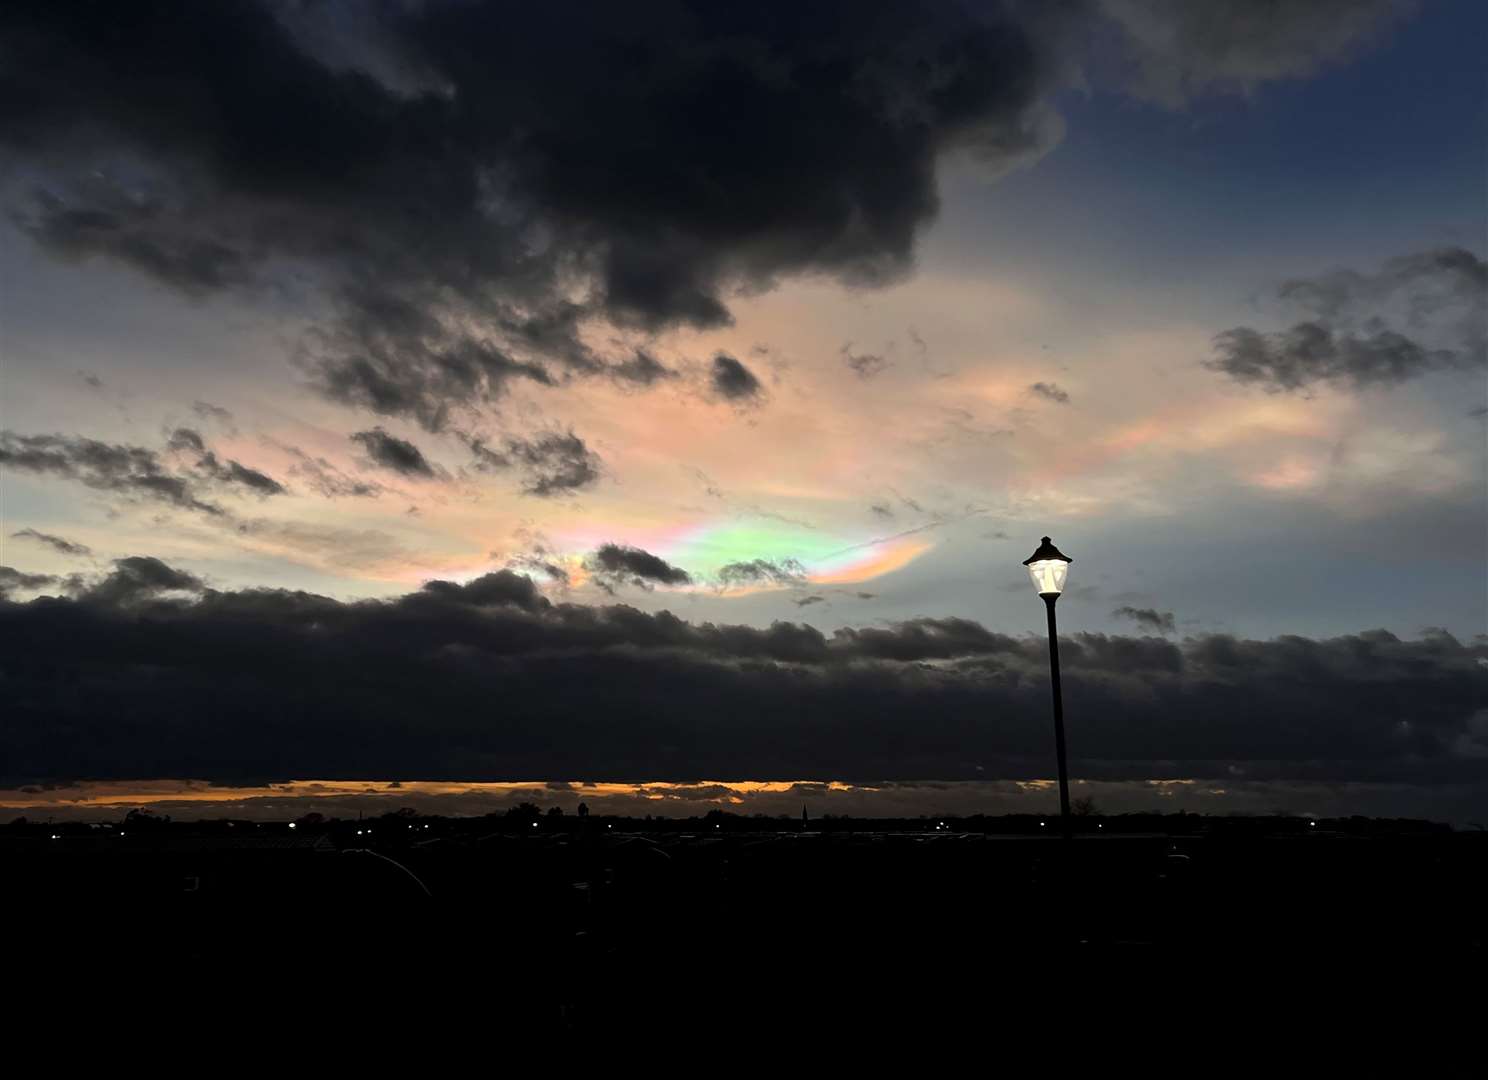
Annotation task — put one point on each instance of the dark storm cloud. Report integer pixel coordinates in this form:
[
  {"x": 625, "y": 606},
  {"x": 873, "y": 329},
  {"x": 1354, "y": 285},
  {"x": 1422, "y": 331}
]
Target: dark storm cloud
[
  {"x": 474, "y": 184},
  {"x": 556, "y": 464},
  {"x": 467, "y": 188},
  {"x": 490, "y": 680},
  {"x": 763, "y": 571},
  {"x": 129, "y": 471},
  {"x": 617, "y": 564},
  {"x": 58, "y": 544},
  {"x": 395, "y": 454},
  {"x": 1148, "y": 618},
  {"x": 1418, "y": 314},
  {"x": 732, "y": 381},
  {"x": 1051, "y": 392}
]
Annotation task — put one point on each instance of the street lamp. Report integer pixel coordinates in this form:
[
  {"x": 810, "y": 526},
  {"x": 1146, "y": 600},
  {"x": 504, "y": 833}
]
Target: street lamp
[{"x": 1048, "y": 567}]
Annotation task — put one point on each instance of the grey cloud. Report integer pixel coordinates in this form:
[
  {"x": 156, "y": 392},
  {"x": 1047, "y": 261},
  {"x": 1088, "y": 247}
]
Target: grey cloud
[
  {"x": 642, "y": 369},
  {"x": 112, "y": 226},
  {"x": 1050, "y": 391},
  {"x": 129, "y": 471},
  {"x": 186, "y": 439},
  {"x": 139, "y": 578},
  {"x": 535, "y": 563},
  {"x": 207, "y": 411},
  {"x": 806, "y": 601},
  {"x": 711, "y": 489},
  {"x": 13, "y": 580},
  {"x": 415, "y": 372},
  {"x": 1181, "y": 49},
  {"x": 398, "y": 455},
  {"x": 863, "y": 365},
  {"x": 1148, "y": 618},
  {"x": 763, "y": 571},
  {"x": 1309, "y": 353},
  {"x": 1417, "y": 314},
  {"x": 346, "y": 548},
  {"x": 555, "y": 463},
  {"x": 732, "y": 381},
  {"x": 231, "y": 473},
  {"x": 326, "y": 479},
  {"x": 537, "y": 558},
  {"x": 491, "y": 680},
  {"x": 485, "y": 459},
  {"x": 57, "y": 543},
  {"x": 617, "y": 564}
]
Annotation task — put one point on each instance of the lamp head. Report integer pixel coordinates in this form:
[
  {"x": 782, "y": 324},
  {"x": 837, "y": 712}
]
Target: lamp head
[{"x": 1048, "y": 567}]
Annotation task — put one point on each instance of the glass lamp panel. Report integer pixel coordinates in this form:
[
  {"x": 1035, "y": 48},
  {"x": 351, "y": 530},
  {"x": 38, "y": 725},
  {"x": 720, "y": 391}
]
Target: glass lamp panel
[{"x": 1048, "y": 575}]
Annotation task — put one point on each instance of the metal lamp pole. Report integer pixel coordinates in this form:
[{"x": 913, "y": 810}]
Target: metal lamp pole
[
  {"x": 1049, "y": 567},
  {"x": 1064, "y": 804}
]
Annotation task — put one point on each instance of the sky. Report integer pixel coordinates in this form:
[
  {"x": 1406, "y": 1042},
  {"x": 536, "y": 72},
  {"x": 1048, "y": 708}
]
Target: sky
[{"x": 424, "y": 391}]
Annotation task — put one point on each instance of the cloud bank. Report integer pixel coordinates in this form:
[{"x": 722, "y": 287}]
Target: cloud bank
[{"x": 147, "y": 673}]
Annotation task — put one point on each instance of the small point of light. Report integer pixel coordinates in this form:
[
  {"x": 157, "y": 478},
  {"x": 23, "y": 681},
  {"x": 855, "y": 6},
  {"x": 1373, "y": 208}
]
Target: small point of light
[
  {"x": 1313, "y": 824},
  {"x": 291, "y": 824},
  {"x": 1041, "y": 824},
  {"x": 1098, "y": 825}
]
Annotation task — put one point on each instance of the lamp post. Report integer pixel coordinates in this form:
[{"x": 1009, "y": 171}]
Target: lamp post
[{"x": 1048, "y": 567}]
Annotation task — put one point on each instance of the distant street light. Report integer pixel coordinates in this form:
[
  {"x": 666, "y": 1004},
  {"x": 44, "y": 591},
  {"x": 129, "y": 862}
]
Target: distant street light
[{"x": 1048, "y": 567}]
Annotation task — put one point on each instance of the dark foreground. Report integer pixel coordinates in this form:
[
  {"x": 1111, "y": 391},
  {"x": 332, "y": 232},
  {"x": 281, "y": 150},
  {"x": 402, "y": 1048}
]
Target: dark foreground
[{"x": 594, "y": 928}]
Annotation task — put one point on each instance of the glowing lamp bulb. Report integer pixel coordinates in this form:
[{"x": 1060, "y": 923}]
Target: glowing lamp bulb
[{"x": 1048, "y": 567}]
